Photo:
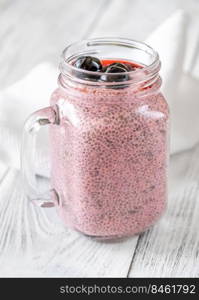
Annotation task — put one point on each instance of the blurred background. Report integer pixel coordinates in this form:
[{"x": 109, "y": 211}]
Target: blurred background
[{"x": 35, "y": 31}]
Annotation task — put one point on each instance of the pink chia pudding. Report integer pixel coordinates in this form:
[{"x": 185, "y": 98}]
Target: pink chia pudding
[{"x": 109, "y": 158}]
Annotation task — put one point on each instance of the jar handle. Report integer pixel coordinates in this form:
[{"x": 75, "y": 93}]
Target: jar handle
[{"x": 37, "y": 120}]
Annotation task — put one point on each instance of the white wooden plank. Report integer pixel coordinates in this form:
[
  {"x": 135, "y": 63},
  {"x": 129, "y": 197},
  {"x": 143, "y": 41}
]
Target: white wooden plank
[
  {"x": 171, "y": 248},
  {"x": 84, "y": 257}
]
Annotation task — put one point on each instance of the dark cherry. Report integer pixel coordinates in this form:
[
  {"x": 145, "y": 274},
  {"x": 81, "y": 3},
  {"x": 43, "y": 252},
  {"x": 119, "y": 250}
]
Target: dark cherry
[
  {"x": 88, "y": 63},
  {"x": 117, "y": 68}
]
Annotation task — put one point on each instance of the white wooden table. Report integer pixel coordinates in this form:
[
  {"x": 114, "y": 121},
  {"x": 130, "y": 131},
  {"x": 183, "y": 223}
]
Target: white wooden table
[{"x": 35, "y": 31}]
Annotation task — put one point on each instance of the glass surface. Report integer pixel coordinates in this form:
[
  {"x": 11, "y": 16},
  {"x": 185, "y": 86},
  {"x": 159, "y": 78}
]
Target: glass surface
[{"x": 108, "y": 142}]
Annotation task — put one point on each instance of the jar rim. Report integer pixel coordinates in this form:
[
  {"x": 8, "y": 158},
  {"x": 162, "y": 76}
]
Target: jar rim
[{"x": 68, "y": 55}]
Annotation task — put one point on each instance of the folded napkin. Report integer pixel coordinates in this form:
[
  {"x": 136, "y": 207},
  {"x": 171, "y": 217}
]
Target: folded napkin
[
  {"x": 17, "y": 102},
  {"x": 176, "y": 40},
  {"x": 180, "y": 86}
]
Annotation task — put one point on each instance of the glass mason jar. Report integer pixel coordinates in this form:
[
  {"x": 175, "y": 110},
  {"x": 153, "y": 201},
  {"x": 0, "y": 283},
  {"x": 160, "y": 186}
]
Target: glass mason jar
[{"x": 108, "y": 142}]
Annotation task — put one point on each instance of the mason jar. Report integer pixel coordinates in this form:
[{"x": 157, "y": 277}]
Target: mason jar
[{"x": 108, "y": 141}]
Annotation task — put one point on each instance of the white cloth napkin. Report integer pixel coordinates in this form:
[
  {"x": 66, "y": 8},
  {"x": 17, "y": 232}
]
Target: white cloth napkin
[
  {"x": 17, "y": 102},
  {"x": 180, "y": 87},
  {"x": 176, "y": 40}
]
